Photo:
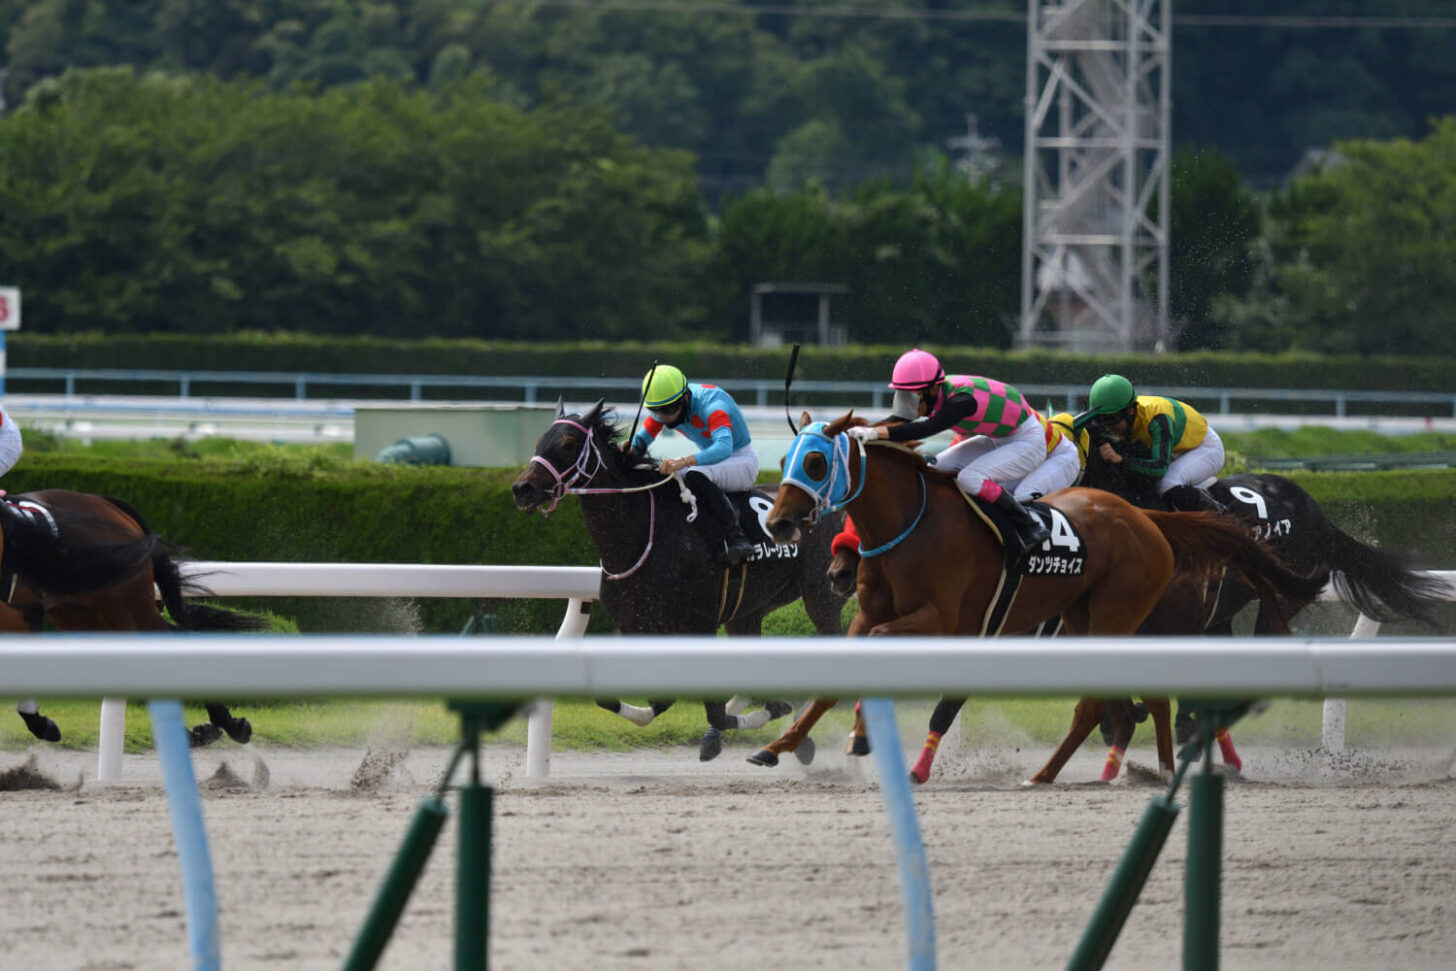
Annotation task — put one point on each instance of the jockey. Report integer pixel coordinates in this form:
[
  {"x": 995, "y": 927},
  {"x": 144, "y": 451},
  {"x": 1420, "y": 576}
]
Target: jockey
[
  {"x": 1063, "y": 420},
  {"x": 725, "y": 461},
  {"x": 1185, "y": 451},
  {"x": 1009, "y": 446}
]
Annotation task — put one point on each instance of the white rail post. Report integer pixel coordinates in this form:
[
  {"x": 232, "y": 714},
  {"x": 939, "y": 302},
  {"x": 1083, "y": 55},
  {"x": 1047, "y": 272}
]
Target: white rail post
[
  {"x": 1332, "y": 728},
  {"x": 113, "y": 735},
  {"x": 538, "y": 728}
]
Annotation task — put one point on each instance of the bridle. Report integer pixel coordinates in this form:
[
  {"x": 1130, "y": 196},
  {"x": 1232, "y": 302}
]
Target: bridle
[
  {"x": 830, "y": 493},
  {"x": 833, "y": 491},
  {"x": 589, "y": 462}
]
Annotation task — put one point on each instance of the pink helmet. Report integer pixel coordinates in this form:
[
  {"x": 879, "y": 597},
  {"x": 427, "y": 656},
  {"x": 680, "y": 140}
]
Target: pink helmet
[{"x": 915, "y": 370}]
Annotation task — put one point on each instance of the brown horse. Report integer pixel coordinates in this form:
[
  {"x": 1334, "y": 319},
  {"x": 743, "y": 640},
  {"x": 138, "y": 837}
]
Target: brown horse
[
  {"x": 125, "y": 601},
  {"x": 932, "y": 564}
]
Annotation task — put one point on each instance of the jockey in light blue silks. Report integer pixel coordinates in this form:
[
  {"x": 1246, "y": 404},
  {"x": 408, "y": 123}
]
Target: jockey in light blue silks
[{"x": 709, "y": 418}]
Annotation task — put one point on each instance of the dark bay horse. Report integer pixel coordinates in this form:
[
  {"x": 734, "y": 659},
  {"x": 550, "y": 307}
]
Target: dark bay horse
[
  {"x": 934, "y": 565},
  {"x": 658, "y": 571},
  {"x": 126, "y": 601}
]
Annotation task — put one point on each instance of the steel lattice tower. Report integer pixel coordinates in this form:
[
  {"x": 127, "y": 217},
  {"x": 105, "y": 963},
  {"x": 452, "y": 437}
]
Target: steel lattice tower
[{"x": 1094, "y": 258}]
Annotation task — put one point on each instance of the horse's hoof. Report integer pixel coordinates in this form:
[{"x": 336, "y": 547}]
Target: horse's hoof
[
  {"x": 805, "y": 752},
  {"x": 41, "y": 727},
  {"x": 711, "y": 746},
  {"x": 1035, "y": 781},
  {"x": 858, "y": 745},
  {"x": 764, "y": 757},
  {"x": 240, "y": 731},
  {"x": 777, "y": 709},
  {"x": 203, "y": 735}
]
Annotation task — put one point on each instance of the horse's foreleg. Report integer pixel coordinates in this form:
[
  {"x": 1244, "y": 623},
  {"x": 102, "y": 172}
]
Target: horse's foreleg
[
  {"x": 240, "y": 730},
  {"x": 636, "y": 714},
  {"x": 1158, "y": 709},
  {"x": 1084, "y": 718},
  {"x": 1226, "y": 747},
  {"x": 795, "y": 735},
  {"x": 40, "y": 726},
  {"x": 859, "y": 739},
  {"x": 924, "y": 619},
  {"x": 940, "y": 721}
]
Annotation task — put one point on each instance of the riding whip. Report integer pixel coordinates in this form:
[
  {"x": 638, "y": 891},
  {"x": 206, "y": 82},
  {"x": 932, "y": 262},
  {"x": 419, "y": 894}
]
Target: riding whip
[
  {"x": 640, "y": 402},
  {"x": 788, "y": 380}
]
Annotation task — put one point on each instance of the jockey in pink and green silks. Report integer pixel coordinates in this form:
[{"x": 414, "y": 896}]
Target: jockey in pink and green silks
[{"x": 1010, "y": 453}]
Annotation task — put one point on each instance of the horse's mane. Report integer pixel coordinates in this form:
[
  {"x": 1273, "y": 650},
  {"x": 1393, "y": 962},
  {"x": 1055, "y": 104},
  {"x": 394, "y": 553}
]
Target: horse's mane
[{"x": 601, "y": 419}]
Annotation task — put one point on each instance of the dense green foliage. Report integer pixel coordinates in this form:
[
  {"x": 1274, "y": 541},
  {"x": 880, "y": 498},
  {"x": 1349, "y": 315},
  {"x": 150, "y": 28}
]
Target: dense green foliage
[
  {"x": 196, "y": 205},
  {"x": 1361, "y": 254},
  {"x": 504, "y": 170},
  {"x": 783, "y": 93}
]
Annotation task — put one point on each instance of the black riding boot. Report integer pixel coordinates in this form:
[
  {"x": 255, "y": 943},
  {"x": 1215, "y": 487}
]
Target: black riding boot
[
  {"x": 1019, "y": 529},
  {"x": 1186, "y": 498},
  {"x": 715, "y": 504}
]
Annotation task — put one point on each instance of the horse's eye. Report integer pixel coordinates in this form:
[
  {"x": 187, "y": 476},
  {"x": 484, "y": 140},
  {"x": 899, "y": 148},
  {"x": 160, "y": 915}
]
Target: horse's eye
[{"x": 815, "y": 466}]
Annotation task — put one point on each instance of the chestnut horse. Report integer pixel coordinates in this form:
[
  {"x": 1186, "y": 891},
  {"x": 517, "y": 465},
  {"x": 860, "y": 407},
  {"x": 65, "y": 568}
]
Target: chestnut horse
[
  {"x": 126, "y": 601},
  {"x": 933, "y": 565}
]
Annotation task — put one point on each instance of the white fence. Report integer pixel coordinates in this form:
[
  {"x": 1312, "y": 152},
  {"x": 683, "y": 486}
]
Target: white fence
[{"x": 1237, "y": 666}]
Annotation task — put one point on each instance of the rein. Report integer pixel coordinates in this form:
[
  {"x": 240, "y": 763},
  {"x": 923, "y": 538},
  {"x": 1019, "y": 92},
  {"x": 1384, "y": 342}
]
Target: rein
[
  {"x": 588, "y": 464},
  {"x": 884, "y": 547}
]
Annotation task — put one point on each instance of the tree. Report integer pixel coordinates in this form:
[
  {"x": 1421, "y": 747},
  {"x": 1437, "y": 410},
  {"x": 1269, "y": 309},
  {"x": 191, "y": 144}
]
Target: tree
[{"x": 1360, "y": 254}]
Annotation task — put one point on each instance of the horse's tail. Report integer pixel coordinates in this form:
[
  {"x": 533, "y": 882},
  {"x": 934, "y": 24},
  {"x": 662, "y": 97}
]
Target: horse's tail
[
  {"x": 78, "y": 554},
  {"x": 1382, "y": 585},
  {"x": 1206, "y": 541},
  {"x": 187, "y": 615}
]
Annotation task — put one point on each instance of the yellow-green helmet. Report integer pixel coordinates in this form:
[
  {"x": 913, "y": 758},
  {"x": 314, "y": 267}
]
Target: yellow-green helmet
[
  {"x": 1110, "y": 394},
  {"x": 662, "y": 386}
]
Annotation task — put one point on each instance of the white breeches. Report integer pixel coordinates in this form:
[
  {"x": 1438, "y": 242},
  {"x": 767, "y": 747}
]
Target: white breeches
[
  {"x": 1005, "y": 461},
  {"x": 1059, "y": 471},
  {"x": 10, "y": 447},
  {"x": 736, "y": 473},
  {"x": 1195, "y": 466}
]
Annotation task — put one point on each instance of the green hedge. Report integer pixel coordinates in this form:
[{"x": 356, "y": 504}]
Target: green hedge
[
  {"x": 356, "y": 512},
  {"x": 290, "y": 352},
  {"x": 274, "y": 509}
]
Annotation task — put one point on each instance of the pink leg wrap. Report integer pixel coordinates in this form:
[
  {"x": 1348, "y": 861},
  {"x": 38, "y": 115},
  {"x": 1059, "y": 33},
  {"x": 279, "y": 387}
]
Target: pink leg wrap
[
  {"x": 921, "y": 769},
  {"x": 1226, "y": 747},
  {"x": 989, "y": 491},
  {"x": 1113, "y": 765}
]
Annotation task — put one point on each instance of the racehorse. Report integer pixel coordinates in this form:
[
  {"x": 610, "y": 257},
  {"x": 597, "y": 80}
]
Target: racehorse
[
  {"x": 933, "y": 564},
  {"x": 127, "y": 601},
  {"x": 658, "y": 572},
  {"x": 1278, "y": 512}
]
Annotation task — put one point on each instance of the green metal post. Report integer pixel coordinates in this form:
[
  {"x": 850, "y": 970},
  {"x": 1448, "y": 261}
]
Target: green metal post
[
  {"x": 403, "y": 874},
  {"x": 472, "y": 884},
  {"x": 1126, "y": 883},
  {"x": 472, "y": 901},
  {"x": 1203, "y": 877}
]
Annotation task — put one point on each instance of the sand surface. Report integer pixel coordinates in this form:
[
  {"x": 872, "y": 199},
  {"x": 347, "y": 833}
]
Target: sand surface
[{"x": 652, "y": 860}]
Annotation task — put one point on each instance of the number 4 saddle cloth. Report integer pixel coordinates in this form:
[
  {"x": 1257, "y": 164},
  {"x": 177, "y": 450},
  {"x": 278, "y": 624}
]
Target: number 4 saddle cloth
[{"x": 1061, "y": 554}]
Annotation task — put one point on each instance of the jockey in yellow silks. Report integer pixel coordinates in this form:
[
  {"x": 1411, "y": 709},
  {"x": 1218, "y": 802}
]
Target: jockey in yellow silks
[{"x": 1185, "y": 454}]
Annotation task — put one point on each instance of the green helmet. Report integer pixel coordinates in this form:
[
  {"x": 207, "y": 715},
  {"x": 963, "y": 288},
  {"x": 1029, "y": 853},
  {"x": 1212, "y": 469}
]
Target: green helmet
[
  {"x": 1111, "y": 393},
  {"x": 662, "y": 386}
]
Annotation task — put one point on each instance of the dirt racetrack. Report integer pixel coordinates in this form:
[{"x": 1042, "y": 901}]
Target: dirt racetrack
[{"x": 651, "y": 860}]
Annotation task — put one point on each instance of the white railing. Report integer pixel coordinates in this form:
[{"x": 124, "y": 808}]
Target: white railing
[{"x": 580, "y": 587}]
